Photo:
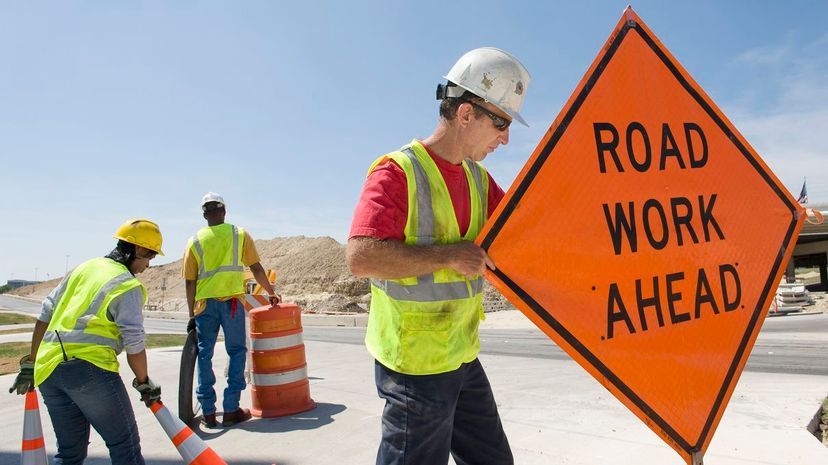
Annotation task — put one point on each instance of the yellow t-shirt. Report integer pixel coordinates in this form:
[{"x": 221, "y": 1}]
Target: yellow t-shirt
[{"x": 250, "y": 256}]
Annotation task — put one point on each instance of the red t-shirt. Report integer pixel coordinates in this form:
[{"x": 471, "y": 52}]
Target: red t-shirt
[{"x": 383, "y": 205}]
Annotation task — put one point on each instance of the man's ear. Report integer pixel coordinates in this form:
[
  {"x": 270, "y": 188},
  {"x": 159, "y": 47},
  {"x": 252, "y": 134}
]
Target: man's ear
[{"x": 465, "y": 113}]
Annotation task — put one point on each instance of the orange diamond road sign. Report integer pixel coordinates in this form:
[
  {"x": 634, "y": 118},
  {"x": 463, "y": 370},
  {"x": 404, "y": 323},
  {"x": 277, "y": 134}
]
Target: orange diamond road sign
[{"x": 646, "y": 237}]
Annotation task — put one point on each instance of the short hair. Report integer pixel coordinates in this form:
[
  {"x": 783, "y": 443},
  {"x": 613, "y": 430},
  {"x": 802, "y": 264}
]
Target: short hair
[{"x": 449, "y": 105}]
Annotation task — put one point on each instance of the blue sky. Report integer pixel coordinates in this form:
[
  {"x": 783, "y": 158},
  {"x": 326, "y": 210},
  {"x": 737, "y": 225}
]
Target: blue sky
[{"x": 112, "y": 110}]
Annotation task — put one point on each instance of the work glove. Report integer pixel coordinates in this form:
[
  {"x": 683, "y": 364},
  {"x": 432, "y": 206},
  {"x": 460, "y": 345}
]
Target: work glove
[
  {"x": 191, "y": 325},
  {"x": 150, "y": 392},
  {"x": 25, "y": 377}
]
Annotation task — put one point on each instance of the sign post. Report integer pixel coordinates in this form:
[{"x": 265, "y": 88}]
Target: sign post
[{"x": 646, "y": 237}]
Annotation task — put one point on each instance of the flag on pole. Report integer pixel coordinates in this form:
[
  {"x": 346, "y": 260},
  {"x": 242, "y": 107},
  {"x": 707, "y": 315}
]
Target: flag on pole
[{"x": 803, "y": 195}]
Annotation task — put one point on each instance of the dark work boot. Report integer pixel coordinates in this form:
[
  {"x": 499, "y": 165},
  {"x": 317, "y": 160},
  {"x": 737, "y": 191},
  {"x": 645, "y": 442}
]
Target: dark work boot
[
  {"x": 209, "y": 420},
  {"x": 238, "y": 416}
]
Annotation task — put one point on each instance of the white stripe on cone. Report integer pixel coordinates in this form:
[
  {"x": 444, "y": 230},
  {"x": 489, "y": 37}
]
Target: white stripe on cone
[
  {"x": 191, "y": 447},
  {"x": 32, "y": 434}
]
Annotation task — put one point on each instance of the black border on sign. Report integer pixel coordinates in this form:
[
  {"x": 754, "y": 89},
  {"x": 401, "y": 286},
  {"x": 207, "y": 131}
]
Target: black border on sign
[{"x": 556, "y": 325}]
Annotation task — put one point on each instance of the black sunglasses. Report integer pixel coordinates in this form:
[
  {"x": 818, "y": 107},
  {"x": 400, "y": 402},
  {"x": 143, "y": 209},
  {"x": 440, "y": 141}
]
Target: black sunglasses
[{"x": 499, "y": 122}]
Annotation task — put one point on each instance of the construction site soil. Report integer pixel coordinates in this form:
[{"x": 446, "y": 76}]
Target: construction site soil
[{"x": 311, "y": 272}]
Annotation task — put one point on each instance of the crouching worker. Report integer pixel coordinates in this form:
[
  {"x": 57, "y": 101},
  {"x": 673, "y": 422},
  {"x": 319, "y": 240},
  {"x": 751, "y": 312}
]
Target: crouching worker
[{"x": 86, "y": 321}]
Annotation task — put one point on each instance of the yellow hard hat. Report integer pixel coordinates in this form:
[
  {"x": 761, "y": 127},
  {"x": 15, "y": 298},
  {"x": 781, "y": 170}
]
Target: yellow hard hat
[{"x": 141, "y": 232}]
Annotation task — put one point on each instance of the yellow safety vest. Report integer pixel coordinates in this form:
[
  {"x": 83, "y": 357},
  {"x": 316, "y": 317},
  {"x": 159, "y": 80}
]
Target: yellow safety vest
[
  {"x": 218, "y": 253},
  {"x": 79, "y": 318},
  {"x": 428, "y": 324}
]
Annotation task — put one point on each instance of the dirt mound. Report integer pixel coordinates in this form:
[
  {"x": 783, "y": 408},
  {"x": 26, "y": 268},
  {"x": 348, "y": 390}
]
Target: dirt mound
[
  {"x": 37, "y": 291},
  {"x": 311, "y": 272}
]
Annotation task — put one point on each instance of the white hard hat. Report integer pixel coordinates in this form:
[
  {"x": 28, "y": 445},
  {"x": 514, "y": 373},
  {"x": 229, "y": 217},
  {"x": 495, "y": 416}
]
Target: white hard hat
[
  {"x": 212, "y": 197},
  {"x": 491, "y": 74}
]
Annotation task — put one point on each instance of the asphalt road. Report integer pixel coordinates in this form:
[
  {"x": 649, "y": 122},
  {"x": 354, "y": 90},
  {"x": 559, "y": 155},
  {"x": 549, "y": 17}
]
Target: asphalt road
[
  {"x": 788, "y": 354},
  {"x": 795, "y": 344}
]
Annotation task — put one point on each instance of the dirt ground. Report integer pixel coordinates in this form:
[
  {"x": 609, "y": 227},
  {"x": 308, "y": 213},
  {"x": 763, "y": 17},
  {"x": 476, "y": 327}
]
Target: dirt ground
[{"x": 820, "y": 302}]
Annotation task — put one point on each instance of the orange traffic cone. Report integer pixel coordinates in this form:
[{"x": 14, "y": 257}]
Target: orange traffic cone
[
  {"x": 193, "y": 450},
  {"x": 34, "y": 450}
]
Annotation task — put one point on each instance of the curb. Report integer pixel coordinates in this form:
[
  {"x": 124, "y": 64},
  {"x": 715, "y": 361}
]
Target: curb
[
  {"x": 795, "y": 313},
  {"x": 311, "y": 319},
  {"x": 159, "y": 315},
  {"x": 308, "y": 319},
  {"x": 20, "y": 297}
]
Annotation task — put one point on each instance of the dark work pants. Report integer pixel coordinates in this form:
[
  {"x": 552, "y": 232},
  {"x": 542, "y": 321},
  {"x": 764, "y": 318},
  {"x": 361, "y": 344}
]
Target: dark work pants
[
  {"x": 79, "y": 394},
  {"x": 426, "y": 417}
]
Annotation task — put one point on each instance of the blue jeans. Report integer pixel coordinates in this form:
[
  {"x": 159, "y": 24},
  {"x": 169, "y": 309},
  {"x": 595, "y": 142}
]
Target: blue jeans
[
  {"x": 220, "y": 313},
  {"x": 78, "y": 394},
  {"x": 426, "y": 417}
]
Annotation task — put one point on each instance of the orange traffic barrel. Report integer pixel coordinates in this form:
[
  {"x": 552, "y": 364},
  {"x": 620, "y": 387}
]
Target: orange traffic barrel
[{"x": 280, "y": 373}]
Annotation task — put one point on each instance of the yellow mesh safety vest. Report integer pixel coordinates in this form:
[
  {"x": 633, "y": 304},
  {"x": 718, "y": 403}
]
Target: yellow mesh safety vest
[
  {"x": 218, "y": 253},
  {"x": 80, "y": 320},
  {"x": 428, "y": 324}
]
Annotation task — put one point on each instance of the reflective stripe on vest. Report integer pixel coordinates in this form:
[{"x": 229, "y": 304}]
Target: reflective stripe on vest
[
  {"x": 425, "y": 209},
  {"x": 477, "y": 175},
  {"x": 429, "y": 324},
  {"x": 80, "y": 325},
  {"x": 236, "y": 266},
  {"x": 77, "y": 335},
  {"x": 218, "y": 252},
  {"x": 426, "y": 290}
]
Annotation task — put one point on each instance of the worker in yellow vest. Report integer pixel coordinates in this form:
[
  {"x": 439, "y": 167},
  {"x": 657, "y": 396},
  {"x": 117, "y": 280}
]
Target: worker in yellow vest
[
  {"x": 85, "y": 322},
  {"x": 214, "y": 279},
  {"x": 420, "y": 209}
]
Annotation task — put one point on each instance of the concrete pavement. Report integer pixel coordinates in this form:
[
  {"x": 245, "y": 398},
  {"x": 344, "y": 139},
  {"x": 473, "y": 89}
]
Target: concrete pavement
[{"x": 552, "y": 410}]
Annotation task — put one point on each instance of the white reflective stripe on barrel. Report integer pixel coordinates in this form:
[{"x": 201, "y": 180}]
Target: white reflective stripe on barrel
[
  {"x": 274, "y": 343},
  {"x": 276, "y": 379}
]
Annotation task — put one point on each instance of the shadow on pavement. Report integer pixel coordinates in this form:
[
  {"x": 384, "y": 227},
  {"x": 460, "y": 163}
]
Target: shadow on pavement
[
  {"x": 207, "y": 433},
  {"x": 12, "y": 458},
  {"x": 312, "y": 419}
]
